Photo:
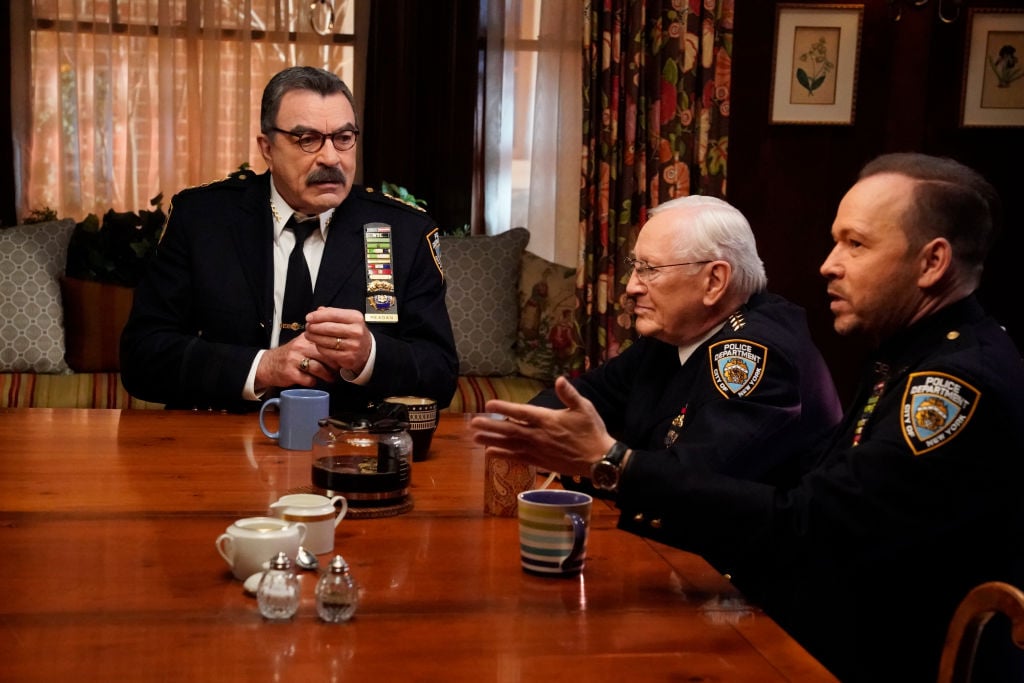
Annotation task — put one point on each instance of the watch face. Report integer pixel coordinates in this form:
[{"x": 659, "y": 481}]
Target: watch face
[{"x": 605, "y": 475}]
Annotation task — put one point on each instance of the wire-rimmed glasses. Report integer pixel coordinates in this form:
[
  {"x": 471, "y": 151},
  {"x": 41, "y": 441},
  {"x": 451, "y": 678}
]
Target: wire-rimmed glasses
[{"x": 645, "y": 272}]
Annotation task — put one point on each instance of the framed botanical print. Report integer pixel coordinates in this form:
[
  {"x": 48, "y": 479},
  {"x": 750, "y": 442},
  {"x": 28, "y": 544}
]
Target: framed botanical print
[
  {"x": 994, "y": 69},
  {"x": 814, "y": 79}
]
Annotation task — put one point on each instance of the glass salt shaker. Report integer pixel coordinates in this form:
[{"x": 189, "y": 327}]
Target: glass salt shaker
[
  {"x": 337, "y": 594},
  {"x": 278, "y": 591}
]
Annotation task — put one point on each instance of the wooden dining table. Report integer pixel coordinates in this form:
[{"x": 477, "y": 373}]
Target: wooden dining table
[{"x": 108, "y": 572}]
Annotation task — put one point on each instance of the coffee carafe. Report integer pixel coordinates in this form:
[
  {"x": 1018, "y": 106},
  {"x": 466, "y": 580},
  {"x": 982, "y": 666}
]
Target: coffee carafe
[{"x": 365, "y": 458}]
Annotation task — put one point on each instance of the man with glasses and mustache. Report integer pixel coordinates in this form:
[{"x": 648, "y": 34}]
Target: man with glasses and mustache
[
  {"x": 724, "y": 374},
  {"x": 294, "y": 277},
  {"x": 915, "y": 497}
]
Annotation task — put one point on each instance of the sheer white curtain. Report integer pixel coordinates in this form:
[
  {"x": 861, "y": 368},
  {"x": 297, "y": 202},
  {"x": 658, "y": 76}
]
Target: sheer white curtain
[
  {"x": 125, "y": 99},
  {"x": 533, "y": 119}
]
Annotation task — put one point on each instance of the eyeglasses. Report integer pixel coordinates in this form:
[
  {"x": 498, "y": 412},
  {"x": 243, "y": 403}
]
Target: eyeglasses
[
  {"x": 645, "y": 272},
  {"x": 312, "y": 141}
]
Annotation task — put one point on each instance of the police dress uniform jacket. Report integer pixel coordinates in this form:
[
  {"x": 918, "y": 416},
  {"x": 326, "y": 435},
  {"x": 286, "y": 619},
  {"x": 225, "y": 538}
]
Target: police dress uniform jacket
[
  {"x": 743, "y": 403},
  {"x": 205, "y": 307},
  {"x": 914, "y": 500}
]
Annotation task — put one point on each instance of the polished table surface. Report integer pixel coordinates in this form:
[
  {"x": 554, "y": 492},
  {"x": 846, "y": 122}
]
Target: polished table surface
[{"x": 108, "y": 572}]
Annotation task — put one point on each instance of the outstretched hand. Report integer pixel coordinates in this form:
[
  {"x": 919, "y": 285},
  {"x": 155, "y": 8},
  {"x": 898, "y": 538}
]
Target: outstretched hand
[{"x": 566, "y": 440}]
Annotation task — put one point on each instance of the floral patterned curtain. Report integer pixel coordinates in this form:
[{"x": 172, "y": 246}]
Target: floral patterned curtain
[{"x": 656, "y": 82}]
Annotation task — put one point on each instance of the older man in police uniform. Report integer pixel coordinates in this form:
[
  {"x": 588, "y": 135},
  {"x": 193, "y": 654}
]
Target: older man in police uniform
[
  {"x": 724, "y": 374},
  {"x": 294, "y": 277},
  {"x": 915, "y": 497}
]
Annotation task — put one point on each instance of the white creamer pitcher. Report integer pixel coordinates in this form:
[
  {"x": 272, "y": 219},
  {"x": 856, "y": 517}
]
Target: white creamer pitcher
[{"x": 320, "y": 514}]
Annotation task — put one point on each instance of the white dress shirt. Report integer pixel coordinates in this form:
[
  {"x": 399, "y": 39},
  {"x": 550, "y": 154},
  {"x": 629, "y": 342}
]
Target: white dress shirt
[
  {"x": 313, "y": 250},
  {"x": 686, "y": 351}
]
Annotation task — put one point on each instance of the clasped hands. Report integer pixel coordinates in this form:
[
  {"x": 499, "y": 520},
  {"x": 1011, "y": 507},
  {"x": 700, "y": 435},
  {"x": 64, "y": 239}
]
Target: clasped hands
[
  {"x": 567, "y": 440},
  {"x": 335, "y": 339}
]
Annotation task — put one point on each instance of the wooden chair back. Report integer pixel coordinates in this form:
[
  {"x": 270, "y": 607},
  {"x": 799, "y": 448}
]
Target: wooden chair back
[{"x": 980, "y": 605}]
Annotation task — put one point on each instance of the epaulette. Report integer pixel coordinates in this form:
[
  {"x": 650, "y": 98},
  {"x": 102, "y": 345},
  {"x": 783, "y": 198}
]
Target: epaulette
[
  {"x": 372, "y": 194},
  {"x": 242, "y": 174},
  {"x": 236, "y": 181}
]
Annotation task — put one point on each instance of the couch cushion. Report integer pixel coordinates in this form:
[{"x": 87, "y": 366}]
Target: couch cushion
[
  {"x": 94, "y": 315},
  {"x": 548, "y": 343},
  {"x": 482, "y": 273},
  {"x": 78, "y": 390},
  {"x": 31, "y": 318},
  {"x": 473, "y": 392}
]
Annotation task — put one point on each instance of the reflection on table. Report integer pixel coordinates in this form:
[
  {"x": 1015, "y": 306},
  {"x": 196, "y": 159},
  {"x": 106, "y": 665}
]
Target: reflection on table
[{"x": 108, "y": 521}]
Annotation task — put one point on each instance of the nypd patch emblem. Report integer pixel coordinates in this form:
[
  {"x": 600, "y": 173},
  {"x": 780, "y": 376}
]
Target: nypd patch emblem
[
  {"x": 936, "y": 407},
  {"x": 434, "y": 242},
  {"x": 737, "y": 366}
]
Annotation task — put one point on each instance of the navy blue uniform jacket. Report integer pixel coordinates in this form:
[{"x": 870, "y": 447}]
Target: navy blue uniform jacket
[
  {"x": 865, "y": 558},
  {"x": 205, "y": 307},
  {"x": 744, "y": 403}
]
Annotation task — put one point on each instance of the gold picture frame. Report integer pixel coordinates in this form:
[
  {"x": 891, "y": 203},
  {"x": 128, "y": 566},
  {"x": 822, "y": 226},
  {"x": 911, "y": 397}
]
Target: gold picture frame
[
  {"x": 814, "y": 67},
  {"x": 994, "y": 69}
]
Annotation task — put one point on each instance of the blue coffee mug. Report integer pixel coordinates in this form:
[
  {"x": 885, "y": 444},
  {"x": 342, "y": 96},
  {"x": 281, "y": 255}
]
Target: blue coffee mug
[{"x": 301, "y": 411}]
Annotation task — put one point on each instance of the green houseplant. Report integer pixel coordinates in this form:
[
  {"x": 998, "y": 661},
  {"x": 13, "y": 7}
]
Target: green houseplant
[
  {"x": 115, "y": 250},
  {"x": 106, "y": 259},
  {"x": 396, "y": 191}
]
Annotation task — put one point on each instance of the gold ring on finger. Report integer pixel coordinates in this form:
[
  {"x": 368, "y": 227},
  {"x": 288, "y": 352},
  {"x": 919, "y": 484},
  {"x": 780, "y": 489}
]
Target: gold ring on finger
[
  {"x": 337, "y": 343},
  {"x": 304, "y": 365}
]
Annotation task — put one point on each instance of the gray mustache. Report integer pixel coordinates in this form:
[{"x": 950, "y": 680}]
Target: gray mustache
[{"x": 326, "y": 174}]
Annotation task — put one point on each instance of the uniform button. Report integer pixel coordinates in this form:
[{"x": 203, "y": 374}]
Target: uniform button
[
  {"x": 638, "y": 517},
  {"x": 655, "y": 523},
  {"x": 952, "y": 335}
]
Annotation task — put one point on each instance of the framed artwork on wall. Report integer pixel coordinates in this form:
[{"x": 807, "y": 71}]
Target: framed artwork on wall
[
  {"x": 994, "y": 69},
  {"x": 814, "y": 68}
]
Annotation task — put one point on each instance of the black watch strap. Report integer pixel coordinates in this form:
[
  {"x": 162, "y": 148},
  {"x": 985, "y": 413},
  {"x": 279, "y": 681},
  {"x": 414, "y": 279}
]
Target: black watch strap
[{"x": 616, "y": 453}]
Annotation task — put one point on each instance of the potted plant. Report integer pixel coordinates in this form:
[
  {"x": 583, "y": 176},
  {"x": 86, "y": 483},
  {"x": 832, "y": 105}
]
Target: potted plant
[
  {"x": 116, "y": 249},
  {"x": 106, "y": 260}
]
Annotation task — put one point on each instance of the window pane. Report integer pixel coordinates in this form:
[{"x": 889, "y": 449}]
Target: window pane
[
  {"x": 265, "y": 15},
  {"x": 128, "y": 102}
]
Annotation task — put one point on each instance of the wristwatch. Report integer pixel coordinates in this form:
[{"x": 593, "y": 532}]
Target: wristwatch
[{"x": 605, "y": 473}]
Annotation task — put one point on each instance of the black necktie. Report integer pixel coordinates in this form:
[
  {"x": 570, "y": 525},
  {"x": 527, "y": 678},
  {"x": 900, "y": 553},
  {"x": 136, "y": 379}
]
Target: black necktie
[{"x": 298, "y": 287}]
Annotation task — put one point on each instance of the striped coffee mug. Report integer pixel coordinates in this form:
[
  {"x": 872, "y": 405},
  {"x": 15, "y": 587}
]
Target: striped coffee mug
[{"x": 553, "y": 526}]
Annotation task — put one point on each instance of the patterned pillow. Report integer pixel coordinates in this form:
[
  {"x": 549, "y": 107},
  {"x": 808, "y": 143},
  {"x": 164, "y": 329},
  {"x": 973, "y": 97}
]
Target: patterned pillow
[
  {"x": 549, "y": 341},
  {"x": 482, "y": 273},
  {"x": 31, "y": 319}
]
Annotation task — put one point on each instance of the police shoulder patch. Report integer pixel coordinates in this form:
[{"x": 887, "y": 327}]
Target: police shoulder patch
[
  {"x": 434, "y": 242},
  {"x": 737, "y": 366},
  {"x": 936, "y": 407}
]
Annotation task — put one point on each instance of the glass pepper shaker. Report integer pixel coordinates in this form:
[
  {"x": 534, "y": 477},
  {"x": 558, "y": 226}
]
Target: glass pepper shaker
[
  {"x": 278, "y": 591},
  {"x": 337, "y": 594}
]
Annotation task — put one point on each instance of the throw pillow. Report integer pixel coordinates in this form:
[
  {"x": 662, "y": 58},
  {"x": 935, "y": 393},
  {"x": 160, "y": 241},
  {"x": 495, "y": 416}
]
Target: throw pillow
[
  {"x": 548, "y": 343},
  {"x": 482, "y": 273},
  {"x": 94, "y": 315},
  {"x": 31, "y": 318}
]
